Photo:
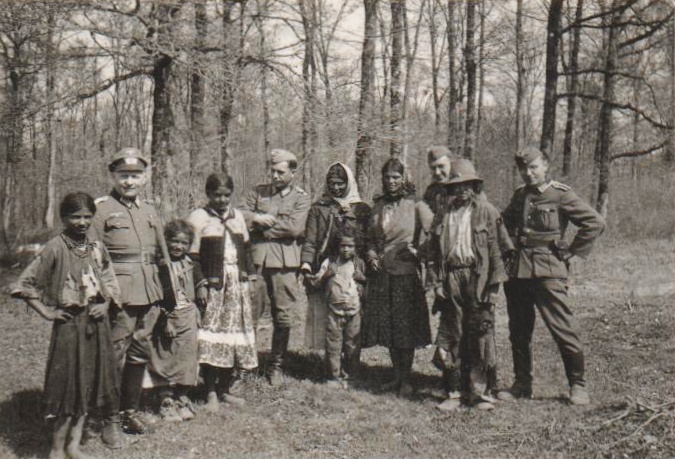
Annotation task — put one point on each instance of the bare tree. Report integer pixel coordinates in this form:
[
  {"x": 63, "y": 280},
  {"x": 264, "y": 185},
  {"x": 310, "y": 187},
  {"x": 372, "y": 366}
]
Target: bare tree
[
  {"x": 398, "y": 10},
  {"x": 573, "y": 83},
  {"x": 470, "y": 64},
  {"x": 550, "y": 91}
]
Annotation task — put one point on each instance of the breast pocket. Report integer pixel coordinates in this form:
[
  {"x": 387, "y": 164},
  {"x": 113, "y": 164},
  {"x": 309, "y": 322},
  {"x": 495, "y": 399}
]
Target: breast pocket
[
  {"x": 117, "y": 224},
  {"x": 545, "y": 218},
  {"x": 264, "y": 205},
  {"x": 480, "y": 236}
]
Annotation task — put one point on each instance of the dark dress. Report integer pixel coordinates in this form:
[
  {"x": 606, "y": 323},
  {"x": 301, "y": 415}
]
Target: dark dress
[
  {"x": 395, "y": 313},
  {"x": 81, "y": 369}
]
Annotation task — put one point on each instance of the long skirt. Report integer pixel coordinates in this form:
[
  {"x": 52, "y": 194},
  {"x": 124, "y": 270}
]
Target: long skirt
[
  {"x": 174, "y": 360},
  {"x": 227, "y": 336},
  {"x": 395, "y": 312},
  {"x": 81, "y": 370}
]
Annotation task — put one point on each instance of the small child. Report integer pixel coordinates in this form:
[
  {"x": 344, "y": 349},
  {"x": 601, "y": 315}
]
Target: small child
[
  {"x": 343, "y": 276},
  {"x": 175, "y": 347},
  {"x": 72, "y": 283}
]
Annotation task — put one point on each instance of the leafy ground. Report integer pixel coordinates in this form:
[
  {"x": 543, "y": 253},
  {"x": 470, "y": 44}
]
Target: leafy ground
[{"x": 622, "y": 296}]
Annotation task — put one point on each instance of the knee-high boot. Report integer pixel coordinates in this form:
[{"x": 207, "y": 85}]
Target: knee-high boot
[{"x": 406, "y": 357}]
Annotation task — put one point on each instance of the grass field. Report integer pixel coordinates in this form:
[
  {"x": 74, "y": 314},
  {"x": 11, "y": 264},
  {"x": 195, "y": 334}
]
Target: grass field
[{"x": 622, "y": 296}]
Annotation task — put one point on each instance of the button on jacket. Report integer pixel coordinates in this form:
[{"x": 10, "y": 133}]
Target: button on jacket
[
  {"x": 129, "y": 232},
  {"x": 537, "y": 219},
  {"x": 280, "y": 245}
]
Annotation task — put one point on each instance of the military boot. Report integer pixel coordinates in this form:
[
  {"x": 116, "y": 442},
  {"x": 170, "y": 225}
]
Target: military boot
[
  {"x": 522, "y": 367},
  {"x": 280, "y": 339},
  {"x": 574, "y": 369}
]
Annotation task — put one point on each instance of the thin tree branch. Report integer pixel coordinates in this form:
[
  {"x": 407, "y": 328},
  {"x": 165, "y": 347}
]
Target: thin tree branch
[
  {"x": 636, "y": 153},
  {"x": 111, "y": 82}
]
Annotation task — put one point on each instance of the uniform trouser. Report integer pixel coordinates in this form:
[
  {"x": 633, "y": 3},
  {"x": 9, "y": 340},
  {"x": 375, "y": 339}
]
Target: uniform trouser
[
  {"x": 465, "y": 339},
  {"x": 282, "y": 290},
  {"x": 343, "y": 344},
  {"x": 550, "y": 297},
  {"x": 132, "y": 331}
]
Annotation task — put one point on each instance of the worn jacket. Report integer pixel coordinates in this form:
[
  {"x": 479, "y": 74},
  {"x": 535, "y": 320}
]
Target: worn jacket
[
  {"x": 325, "y": 222},
  {"x": 485, "y": 227},
  {"x": 537, "y": 219},
  {"x": 391, "y": 241},
  {"x": 280, "y": 245}
]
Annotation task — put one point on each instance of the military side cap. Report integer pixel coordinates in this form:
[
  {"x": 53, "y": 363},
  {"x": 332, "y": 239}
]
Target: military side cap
[
  {"x": 128, "y": 160},
  {"x": 528, "y": 154},
  {"x": 282, "y": 156},
  {"x": 463, "y": 171},
  {"x": 436, "y": 152}
]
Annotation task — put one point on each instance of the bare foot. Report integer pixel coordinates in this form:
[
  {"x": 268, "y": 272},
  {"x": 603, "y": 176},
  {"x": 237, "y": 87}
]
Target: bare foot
[
  {"x": 212, "y": 404},
  {"x": 77, "y": 453},
  {"x": 57, "y": 454}
]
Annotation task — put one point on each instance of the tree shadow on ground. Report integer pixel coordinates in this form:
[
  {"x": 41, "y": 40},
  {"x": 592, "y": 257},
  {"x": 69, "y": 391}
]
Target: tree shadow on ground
[{"x": 22, "y": 426}]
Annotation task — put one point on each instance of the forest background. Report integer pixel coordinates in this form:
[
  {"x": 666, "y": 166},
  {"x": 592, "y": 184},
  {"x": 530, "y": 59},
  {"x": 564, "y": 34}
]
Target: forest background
[
  {"x": 216, "y": 84},
  {"x": 209, "y": 85}
]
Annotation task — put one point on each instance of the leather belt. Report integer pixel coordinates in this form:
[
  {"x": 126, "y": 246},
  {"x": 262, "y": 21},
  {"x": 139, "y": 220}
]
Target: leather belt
[
  {"x": 142, "y": 257},
  {"x": 532, "y": 242},
  {"x": 454, "y": 267}
]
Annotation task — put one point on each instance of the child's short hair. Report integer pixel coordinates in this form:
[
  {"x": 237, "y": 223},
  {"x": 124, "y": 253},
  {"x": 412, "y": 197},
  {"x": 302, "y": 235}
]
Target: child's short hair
[
  {"x": 175, "y": 227},
  {"x": 218, "y": 180},
  {"x": 346, "y": 237},
  {"x": 76, "y": 201}
]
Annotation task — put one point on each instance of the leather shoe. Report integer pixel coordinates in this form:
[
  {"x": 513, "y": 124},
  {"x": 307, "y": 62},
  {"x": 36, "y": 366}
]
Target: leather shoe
[
  {"x": 111, "y": 433},
  {"x": 579, "y": 396},
  {"x": 517, "y": 391}
]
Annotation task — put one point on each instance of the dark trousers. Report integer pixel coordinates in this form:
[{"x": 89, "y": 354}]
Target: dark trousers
[
  {"x": 280, "y": 286},
  {"x": 343, "y": 344},
  {"x": 465, "y": 337},
  {"x": 550, "y": 298}
]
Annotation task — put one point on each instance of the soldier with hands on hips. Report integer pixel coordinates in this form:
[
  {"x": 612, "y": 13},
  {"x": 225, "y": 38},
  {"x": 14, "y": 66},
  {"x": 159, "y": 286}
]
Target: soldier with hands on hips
[{"x": 536, "y": 219}]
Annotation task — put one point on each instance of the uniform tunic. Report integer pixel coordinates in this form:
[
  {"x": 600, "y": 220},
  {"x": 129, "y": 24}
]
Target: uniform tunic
[
  {"x": 537, "y": 219},
  {"x": 129, "y": 232},
  {"x": 276, "y": 250}
]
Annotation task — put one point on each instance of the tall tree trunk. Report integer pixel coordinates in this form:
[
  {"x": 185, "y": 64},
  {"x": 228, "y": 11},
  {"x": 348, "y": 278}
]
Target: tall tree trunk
[
  {"x": 572, "y": 90},
  {"x": 227, "y": 95},
  {"x": 197, "y": 89},
  {"x": 435, "y": 66},
  {"x": 364, "y": 142},
  {"x": 481, "y": 69},
  {"x": 601, "y": 156},
  {"x": 397, "y": 12},
  {"x": 262, "y": 50},
  {"x": 470, "y": 64},
  {"x": 49, "y": 121},
  {"x": 670, "y": 149},
  {"x": 308, "y": 12},
  {"x": 550, "y": 91},
  {"x": 453, "y": 125},
  {"x": 520, "y": 84},
  {"x": 161, "y": 148}
]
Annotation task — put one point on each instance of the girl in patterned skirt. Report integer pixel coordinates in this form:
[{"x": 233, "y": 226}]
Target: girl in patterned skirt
[{"x": 227, "y": 334}]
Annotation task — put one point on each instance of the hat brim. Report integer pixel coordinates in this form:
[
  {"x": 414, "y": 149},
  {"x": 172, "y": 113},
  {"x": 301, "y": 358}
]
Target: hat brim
[{"x": 464, "y": 179}]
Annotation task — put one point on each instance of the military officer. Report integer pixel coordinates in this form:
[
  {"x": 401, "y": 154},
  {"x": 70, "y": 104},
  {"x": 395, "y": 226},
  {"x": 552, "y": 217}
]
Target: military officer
[
  {"x": 129, "y": 228},
  {"x": 276, "y": 214},
  {"x": 536, "y": 219}
]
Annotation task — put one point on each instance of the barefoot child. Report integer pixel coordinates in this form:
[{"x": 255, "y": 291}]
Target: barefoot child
[
  {"x": 71, "y": 282},
  {"x": 175, "y": 344},
  {"x": 344, "y": 276}
]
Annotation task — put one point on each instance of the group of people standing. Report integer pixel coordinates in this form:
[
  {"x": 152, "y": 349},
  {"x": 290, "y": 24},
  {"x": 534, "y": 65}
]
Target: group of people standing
[{"x": 136, "y": 303}]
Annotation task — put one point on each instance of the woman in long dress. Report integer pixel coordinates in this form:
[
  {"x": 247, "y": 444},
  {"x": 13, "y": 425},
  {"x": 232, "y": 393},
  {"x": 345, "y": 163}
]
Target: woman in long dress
[
  {"x": 227, "y": 334},
  {"x": 395, "y": 312}
]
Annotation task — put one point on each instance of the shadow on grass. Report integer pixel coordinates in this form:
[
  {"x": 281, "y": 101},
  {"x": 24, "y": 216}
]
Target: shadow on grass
[
  {"x": 22, "y": 426},
  {"x": 311, "y": 366}
]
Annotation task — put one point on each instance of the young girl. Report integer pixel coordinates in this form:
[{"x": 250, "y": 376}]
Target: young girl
[
  {"x": 175, "y": 346},
  {"x": 227, "y": 334},
  {"x": 71, "y": 282}
]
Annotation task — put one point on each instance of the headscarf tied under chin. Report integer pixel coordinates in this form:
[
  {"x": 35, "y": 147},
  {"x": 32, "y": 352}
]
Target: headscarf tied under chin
[{"x": 343, "y": 172}]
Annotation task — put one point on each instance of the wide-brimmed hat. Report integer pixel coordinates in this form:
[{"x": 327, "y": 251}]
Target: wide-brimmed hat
[
  {"x": 462, "y": 170},
  {"x": 128, "y": 160}
]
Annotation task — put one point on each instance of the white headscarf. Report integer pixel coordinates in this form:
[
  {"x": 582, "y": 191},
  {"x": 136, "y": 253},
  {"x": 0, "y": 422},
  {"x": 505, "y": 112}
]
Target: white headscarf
[{"x": 351, "y": 194}]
